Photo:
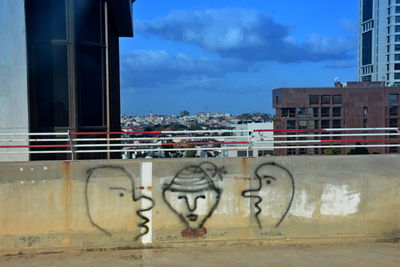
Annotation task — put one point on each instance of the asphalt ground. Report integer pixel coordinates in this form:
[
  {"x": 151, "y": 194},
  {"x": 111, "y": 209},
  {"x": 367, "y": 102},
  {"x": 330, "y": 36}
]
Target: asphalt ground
[{"x": 357, "y": 254}]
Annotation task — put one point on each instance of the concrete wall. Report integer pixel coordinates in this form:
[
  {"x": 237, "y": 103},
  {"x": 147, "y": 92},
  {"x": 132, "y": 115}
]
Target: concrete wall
[
  {"x": 162, "y": 202},
  {"x": 13, "y": 74}
]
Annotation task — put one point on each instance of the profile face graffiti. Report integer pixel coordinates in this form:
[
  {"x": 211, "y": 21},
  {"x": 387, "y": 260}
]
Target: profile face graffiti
[
  {"x": 273, "y": 194},
  {"x": 192, "y": 196},
  {"x": 112, "y": 205}
]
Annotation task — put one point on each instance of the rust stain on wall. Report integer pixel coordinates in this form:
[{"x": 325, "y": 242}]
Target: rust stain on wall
[
  {"x": 244, "y": 167},
  {"x": 66, "y": 200}
]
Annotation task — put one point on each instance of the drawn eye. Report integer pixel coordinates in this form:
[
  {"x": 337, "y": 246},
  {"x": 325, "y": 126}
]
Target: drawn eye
[
  {"x": 181, "y": 197},
  {"x": 121, "y": 194},
  {"x": 268, "y": 181},
  {"x": 202, "y": 196}
]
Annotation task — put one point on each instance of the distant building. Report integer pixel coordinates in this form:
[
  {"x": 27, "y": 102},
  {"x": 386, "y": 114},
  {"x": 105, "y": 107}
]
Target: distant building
[
  {"x": 379, "y": 41},
  {"x": 258, "y": 139},
  {"x": 347, "y": 105},
  {"x": 59, "y": 65}
]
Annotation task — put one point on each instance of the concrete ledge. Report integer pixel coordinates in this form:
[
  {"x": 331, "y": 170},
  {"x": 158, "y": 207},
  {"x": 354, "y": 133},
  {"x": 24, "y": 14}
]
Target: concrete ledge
[{"x": 59, "y": 206}]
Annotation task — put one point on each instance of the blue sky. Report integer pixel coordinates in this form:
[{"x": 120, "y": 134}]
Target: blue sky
[{"x": 228, "y": 55}]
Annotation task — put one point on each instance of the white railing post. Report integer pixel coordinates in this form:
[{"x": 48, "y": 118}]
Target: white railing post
[{"x": 71, "y": 143}]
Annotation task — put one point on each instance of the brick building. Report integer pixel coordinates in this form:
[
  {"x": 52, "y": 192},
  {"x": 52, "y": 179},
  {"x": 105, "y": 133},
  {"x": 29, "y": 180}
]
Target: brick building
[{"x": 347, "y": 105}]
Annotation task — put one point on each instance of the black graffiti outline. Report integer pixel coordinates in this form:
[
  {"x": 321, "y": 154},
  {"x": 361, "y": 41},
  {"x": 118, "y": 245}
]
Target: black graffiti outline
[
  {"x": 139, "y": 212},
  {"x": 218, "y": 171},
  {"x": 246, "y": 193}
]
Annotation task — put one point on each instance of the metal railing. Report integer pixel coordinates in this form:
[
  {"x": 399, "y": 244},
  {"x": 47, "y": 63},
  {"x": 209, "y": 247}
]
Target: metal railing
[{"x": 74, "y": 143}]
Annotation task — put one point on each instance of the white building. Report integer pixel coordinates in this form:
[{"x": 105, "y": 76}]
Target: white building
[
  {"x": 379, "y": 40},
  {"x": 262, "y": 142}
]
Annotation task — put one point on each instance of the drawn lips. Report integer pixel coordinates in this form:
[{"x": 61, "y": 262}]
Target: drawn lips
[{"x": 192, "y": 217}]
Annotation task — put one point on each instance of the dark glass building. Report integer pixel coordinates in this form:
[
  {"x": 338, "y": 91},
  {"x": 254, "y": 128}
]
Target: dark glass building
[{"x": 73, "y": 64}]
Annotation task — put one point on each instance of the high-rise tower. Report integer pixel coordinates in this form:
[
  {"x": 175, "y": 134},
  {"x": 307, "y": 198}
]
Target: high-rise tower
[{"x": 379, "y": 41}]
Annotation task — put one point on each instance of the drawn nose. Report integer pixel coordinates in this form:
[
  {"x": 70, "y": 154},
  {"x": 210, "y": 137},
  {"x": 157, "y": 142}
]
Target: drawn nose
[{"x": 191, "y": 203}]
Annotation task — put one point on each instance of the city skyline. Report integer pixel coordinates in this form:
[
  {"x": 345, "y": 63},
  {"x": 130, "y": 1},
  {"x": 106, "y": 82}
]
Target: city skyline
[{"x": 229, "y": 56}]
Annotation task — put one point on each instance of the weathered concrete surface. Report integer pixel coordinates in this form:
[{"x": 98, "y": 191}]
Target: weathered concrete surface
[
  {"x": 363, "y": 255},
  {"x": 64, "y": 205}
]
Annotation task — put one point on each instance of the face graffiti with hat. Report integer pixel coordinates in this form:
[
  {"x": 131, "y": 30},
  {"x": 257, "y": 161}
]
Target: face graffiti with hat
[{"x": 193, "y": 196}]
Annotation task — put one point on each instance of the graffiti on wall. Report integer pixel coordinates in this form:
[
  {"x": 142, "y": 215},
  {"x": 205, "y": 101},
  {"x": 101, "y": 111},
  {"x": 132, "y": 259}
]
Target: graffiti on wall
[
  {"x": 112, "y": 201},
  {"x": 193, "y": 196},
  {"x": 273, "y": 193}
]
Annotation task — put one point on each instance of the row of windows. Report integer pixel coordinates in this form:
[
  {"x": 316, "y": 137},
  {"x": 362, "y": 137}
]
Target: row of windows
[
  {"x": 313, "y": 124},
  {"x": 396, "y": 19},
  {"x": 368, "y": 25},
  {"x": 323, "y": 124},
  {"x": 396, "y": 10},
  {"x": 367, "y": 70},
  {"x": 325, "y": 99},
  {"x": 311, "y": 112},
  {"x": 394, "y": 1}
]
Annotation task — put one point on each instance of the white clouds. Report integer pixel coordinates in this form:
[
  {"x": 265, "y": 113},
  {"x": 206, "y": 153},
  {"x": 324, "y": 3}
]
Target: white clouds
[
  {"x": 246, "y": 34},
  {"x": 157, "y": 68}
]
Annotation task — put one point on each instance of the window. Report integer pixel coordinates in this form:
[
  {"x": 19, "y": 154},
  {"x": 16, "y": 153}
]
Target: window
[
  {"x": 397, "y": 76},
  {"x": 48, "y": 63},
  {"x": 337, "y": 99},
  {"x": 365, "y": 111},
  {"x": 393, "y": 150},
  {"x": 93, "y": 26},
  {"x": 397, "y": 28},
  {"x": 302, "y": 124},
  {"x": 55, "y": 73},
  {"x": 50, "y": 86},
  {"x": 367, "y": 48},
  {"x": 325, "y": 112},
  {"x": 397, "y": 66},
  {"x": 288, "y": 112},
  {"x": 302, "y": 151},
  {"x": 397, "y": 19},
  {"x": 302, "y": 112},
  {"x": 336, "y": 123},
  {"x": 325, "y": 99},
  {"x": 291, "y": 151},
  {"x": 393, "y": 110},
  {"x": 245, "y": 153},
  {"x": 314, "y": 100},
  {"x": 263, "y": 153},
  {"x": 397, "y": 9},
  {"x": 315, "y": 112},
  {"x": 393, "y": 99},
  {"x": 336, "y": 112},
  {"x": 291, "y": 124},
  {"x": 397, "y": 57},
  {"x": 393, "y": 122},
  {"x": 397, "y": 47},
  {"x": 367, "y": 10},
  {"x": 325, "y": 124},
  {"x": 313, "y": 124},
  {"x": 90, "y": 86}
]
